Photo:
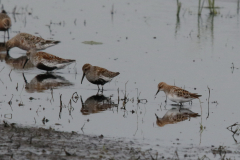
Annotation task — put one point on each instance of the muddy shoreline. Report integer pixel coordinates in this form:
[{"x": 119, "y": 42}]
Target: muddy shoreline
[{"x": 19, "y": 142}]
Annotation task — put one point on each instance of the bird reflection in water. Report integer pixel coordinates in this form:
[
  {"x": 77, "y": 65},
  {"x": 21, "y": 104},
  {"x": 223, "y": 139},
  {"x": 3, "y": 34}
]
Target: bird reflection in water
[
  {"x": 96, "y": 104},
  {"x": 175, "y": 115},
  {"x": 3, "y": 51},
  {"x": 44, "y": 82},
  {"x": 16, "y": 63}
]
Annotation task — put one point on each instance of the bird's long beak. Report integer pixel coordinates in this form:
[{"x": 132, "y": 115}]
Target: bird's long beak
[
  {"x": 83, "y": 77},
  {"x": 25, "y": 63},
  {"x": 25, "y": 80},
  {"x": 156, "y": 93}
]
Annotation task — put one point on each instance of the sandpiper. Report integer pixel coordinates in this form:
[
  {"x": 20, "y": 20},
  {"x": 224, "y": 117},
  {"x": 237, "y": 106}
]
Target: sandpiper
[
  {"x": 5, "y": 22},
  {"x": 97, "y": 75},
  {"x": 175, "y": 115},
  {"x": 46, "y": 61},
  {"x": 27, "y": 41},
  {"x": 176, "y": 94}
]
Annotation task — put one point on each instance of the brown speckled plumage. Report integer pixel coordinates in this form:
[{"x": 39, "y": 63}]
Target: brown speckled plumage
[
  {"x": 5, "y": 21},
  {"x": 97, "y": 75},
  {"x": 27, "y": 41},
  {"x": 46, "y": 61},
  {"x": 176, "y": 94}
]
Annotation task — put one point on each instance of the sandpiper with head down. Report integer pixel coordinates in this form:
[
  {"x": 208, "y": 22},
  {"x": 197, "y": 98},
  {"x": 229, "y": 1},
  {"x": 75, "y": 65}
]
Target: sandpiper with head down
[
  {"x": 176, "y": 94},
  {"x": 97, "y": 75},
  {"x": 27, "y": 41},
  {"x": 46, "y": 61},
  {"x": 5, "y": 22}
]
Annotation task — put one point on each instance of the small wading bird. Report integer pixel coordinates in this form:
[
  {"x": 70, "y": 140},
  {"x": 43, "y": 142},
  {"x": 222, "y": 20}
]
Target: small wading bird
[
  {"x": 176, "y": 94},
  {"x": 46, "y": 61},
  {"x": 5, "y": 22},
  {"x": 97, "y": 75},
  {"x": 27, "y": 41}
]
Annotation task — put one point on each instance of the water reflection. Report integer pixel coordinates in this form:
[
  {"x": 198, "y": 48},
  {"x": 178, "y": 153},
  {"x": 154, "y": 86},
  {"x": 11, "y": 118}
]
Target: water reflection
[
  {"x": 175, "y": 115},
  {"x": 96, "y": 104},
  {"x": 234, "y": 128},
  {"x": 2, "y": 50},
  {"x": 238, "y": 6},
  {"x": 3, "y": 47},
  {"x": 177, "y": 25},
  {"x": 202, "y": 27},
  {"x": 17, "y": 63},
  {"x": 44, "y": 82}
]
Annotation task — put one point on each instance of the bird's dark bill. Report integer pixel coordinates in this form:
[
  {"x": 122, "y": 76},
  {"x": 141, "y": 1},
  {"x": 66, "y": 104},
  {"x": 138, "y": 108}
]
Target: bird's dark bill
[
  {"x": 83, "y": 77},
  {"x": 25, "y": 63}
]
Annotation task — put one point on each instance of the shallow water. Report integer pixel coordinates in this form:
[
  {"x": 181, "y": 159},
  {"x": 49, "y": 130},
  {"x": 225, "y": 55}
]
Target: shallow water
[{"x": 147, "y": 44}]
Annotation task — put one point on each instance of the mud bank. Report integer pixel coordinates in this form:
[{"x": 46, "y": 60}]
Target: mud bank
[
  {"x": 38, "y": 143},
  {"x": 18, "y": 142}
]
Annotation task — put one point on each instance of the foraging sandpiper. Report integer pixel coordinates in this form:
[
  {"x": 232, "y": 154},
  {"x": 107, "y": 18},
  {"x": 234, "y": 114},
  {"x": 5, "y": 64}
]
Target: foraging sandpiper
[
  {"x": 46, "y": 61},
  {"x": 27, "y": 41},
  {"x": 176, "y": 94}
]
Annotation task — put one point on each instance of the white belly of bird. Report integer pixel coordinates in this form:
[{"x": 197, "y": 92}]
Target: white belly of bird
[{"x": 178, "y": 99}]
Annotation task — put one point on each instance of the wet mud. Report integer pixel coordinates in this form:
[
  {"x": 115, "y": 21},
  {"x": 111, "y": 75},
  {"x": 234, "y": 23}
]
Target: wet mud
[{"x": 18, "y": 142}]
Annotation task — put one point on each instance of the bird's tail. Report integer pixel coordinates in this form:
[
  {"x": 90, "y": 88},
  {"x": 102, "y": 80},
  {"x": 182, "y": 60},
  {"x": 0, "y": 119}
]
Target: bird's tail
[
  {"x": 52, "y": 42},
  {"x": 195, "y": 95},
  {"x": 116, "y": 74}
]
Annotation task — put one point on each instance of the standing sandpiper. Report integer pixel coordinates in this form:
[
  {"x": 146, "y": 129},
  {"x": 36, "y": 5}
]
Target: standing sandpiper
[
  {"x": 176, "y": 94},
  {"x": 46, "y": 61},
  {"x": 97, "y": 75},
  {"x": 27, "y": 41}
]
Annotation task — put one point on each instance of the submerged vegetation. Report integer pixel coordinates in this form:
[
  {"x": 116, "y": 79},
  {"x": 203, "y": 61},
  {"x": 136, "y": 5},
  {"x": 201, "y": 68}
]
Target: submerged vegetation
[
  {"x": 179, "y": 5},
  {"x": 200, "y": 6},
  {"x": 211, "y": 6}
]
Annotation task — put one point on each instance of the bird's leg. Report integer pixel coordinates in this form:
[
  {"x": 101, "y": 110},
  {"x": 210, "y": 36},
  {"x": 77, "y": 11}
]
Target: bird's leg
[
  {"x": 8, "y": 33},
  {"x": 102, "y": 88},
  {"x": 98, "y": 87},
  {"x": 180, "y": 106}
]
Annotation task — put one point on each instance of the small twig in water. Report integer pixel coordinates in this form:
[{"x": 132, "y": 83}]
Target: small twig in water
[
  {"x": 75, "y": 98},
  {"x": 2, "y": 69},
  {"x": 10, "y": 74},
  {"x": 82, "y": 128},
  {"x": 208, "y": 101}
]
